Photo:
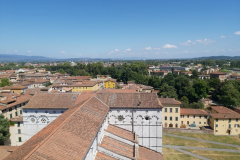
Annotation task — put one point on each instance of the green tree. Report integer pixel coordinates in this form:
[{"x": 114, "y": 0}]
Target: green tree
[
  {"x": 184, "y": 99},
  {"x": 194, "y": 74},
  {"x": 196, "y": 105},
  {"x": 229, "y": 96},
  {"x": 61, "y": 71},
  {"x": 5, "y": 82},
  {"x": 4, "y": 128},
  {"x": 214, "y": 82},
  {"x": 182, "y": 85},
  {"x": 201, "y": 89},
  {"x": 167, "y": 91},
  {"x": 169, "y": 79}
]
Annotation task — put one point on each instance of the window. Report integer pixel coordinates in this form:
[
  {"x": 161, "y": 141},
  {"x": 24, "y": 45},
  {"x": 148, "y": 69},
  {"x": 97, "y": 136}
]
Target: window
[
  {"x": 216, "y": 125},
  {"x": 20, "y": 111},
  {"x": 187, "y": 116},
  {"x": 204, "y": 122},
  {"x": 43, "y": 120},
  {"x": 194, "y": 122},
  {"x": 10, "y": 109},
  {"x": 18, "y": 124},
  {"x": 16, "y": 114},
  {"x": 10, "y": 116},
  {"x": 170, "y": 110},
  {"x": 19, "y": 139},
  {"x": 200, "y": 117},
  {"x": 165, "y": 109},
  {"x": 176, "y": 110},
  {"x": 19, "y": 131},
  {"x": 236, "y": 120},
  {"x": 199, "y": 122},
  {"x": 205, "y": 117},
  {"x": 193, "y": 116},
  {"x": 165, "y": 117},
  {"x": 176, "y": 118},
  {"x": 229, "y": 126},
  {"x": 216, "y": 120},
  {"x": 170, "y": 118},
  {"x": 229, "y": 120}
]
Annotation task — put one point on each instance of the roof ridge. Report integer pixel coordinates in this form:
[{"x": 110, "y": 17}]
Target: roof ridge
[{"x": 49, "y": 136}]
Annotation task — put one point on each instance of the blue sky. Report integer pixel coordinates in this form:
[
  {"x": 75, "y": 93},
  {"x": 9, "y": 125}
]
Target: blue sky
[{"x": 120, "y": 28}]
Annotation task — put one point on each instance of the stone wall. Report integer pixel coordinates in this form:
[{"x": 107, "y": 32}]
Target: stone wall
[{"x": 188, "y": 130}]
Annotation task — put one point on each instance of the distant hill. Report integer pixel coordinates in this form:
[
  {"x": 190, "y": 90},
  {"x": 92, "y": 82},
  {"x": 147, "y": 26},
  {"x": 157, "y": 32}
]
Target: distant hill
[
  {"x": 21, "y": 58},
  {"x": 219, "y": 57}
]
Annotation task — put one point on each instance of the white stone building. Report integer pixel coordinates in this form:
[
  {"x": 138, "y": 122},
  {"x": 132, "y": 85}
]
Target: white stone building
[{"x": 92, "y": 126}]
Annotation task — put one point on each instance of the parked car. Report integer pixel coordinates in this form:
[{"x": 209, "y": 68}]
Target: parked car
[{"x": 192, "y": 125}]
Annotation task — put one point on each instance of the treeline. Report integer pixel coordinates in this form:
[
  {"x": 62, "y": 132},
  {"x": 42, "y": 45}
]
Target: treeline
[{"x": 189, "y": 90}]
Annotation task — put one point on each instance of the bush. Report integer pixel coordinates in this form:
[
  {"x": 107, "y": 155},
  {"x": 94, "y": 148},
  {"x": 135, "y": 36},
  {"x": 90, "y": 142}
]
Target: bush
[{"x": 11, "y": 123}]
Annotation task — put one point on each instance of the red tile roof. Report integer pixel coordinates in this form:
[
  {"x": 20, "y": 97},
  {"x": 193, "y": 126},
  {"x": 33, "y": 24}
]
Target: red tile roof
[
  {"x": 147, "y": 154},
  {"x": 169, "y": 101},
  {"x": 189, "y": 111},
  {"x": 102, "y": 156},
  {"x": 224, "y": 112},
  {"x": 130, "y": 100},
  {"x": 120, "y": 132},
  {"x": 118, "y": 147},
  {"x": 17, "y": 119},
  {"x": 52, "y": 100},
  {"x": 67, "y": 137},
  {"x": 118, "y": 91}
]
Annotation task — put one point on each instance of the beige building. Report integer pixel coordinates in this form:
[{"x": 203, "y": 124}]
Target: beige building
[
  {"x": 224, "y": 121},
  {"x": 170, "y": 112},
  {"x": 17, "y": 137},
  {"x": 193, "y": 116},
  {"x": 12, "y": 106}
]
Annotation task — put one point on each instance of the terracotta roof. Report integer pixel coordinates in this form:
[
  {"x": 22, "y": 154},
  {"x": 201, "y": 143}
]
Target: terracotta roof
[
  {"x": 169, "y": 101},
  {"x": 6, "y": 150},
  {"x": 52, "y": 100},
  {"x": 130, "y": 100},
  {"x": 117, "y": 147},
  {"x": 102, "y": 156},
  {"x": 17, "y": 119},
  {"x": 32, "y": 91},
  {"x": 13, "y": 87},
  {"x": 120, "y": 132},
  {"x": 19, "y": 100},
  {"x": 147, "y": 154},
  {"x": 226, "y": 115},
  {"x": 117, "y": 91},
  {"x": 2, "y": 107},
  {"x": 83, "y": 85},
  {"x": 189, "y": 111},
  {"x": 222, "y": 73},
  {"x": 221, "y": 109},
  {"x": 67, "y": 137}
]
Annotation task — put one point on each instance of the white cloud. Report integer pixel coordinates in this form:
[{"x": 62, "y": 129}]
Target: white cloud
[
  {"x": 116, "y": 50},
  {"x": 187, "y": 43},
  {"x": 205, "y": 41},
  {"x": 15, "y": 50},
  {"x": 63, "y": 52},
  {"x": 8, "y": 51},
  {"x": 124, "y": 51},
  {"x": 80, "y": 54},
  {"x": 157, "y": 53},
  {"x": 230, "y": 49},
  {"x": 145, "y": 53},
  {"x": 184, "y": 51},
  {"x": 223, "y": 36},
  {"x": 148, "y": 48},
  {"x": 169, "y": 46},
  {"x": 156, "y": 48},
  {"x": 129, "y": 49},
  {"x": 237, "y": 33},
  {"x": 29, "y": 51}
]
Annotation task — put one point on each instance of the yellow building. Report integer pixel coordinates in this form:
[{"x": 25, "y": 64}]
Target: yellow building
[
  {"x": 193, "y": 116},
  {"x": 15, "y": 88},
  {"x": 93, "y": 86},
  {"x": 171, "y": 112},
  {"x": 110, "y": 83},
  {"x": 12, "y": 107},
  {"x": 224, "y": 121}
]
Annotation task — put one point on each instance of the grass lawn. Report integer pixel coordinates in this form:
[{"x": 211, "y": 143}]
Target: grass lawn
[
  {"x": 170, "y": 154},
  {"x": 224, "y": 139},
  {"x": 215, "y": 155},
  {"x": 185, "y": 142}
]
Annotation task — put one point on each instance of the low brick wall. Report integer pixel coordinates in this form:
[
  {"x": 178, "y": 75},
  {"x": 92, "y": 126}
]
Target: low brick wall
[{"x": 188, "y": 130}]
